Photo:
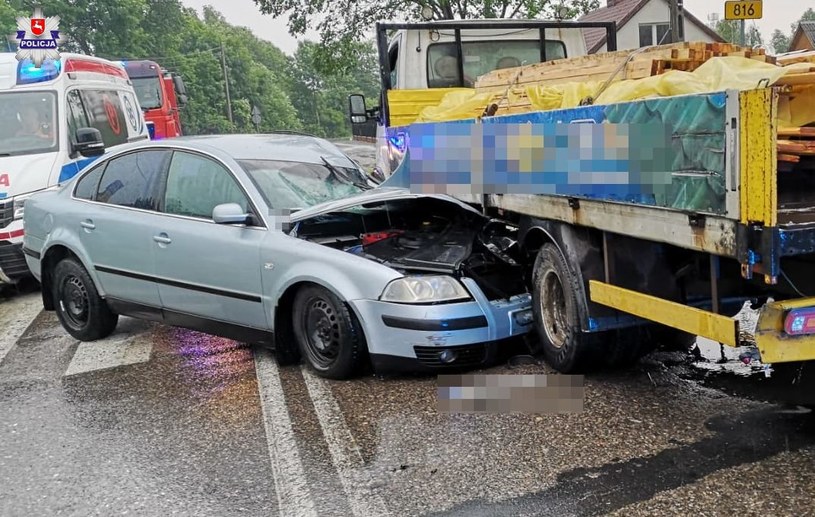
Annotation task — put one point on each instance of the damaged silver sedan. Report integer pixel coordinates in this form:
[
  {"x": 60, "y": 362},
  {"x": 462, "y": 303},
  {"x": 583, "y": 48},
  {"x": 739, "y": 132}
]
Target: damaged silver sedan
[{"x": 281, "y": 240}]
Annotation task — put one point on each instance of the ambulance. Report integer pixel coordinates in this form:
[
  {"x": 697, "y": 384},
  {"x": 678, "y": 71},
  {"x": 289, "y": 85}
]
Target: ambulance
[{"x": 55, "y": 120}]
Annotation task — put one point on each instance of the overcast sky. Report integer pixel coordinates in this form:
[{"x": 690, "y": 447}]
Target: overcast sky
[{"x": 778, "y": 14}]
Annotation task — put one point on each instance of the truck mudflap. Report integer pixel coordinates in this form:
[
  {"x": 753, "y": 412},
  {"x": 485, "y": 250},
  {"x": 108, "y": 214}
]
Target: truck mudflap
[{"x": 785, "y": 331}]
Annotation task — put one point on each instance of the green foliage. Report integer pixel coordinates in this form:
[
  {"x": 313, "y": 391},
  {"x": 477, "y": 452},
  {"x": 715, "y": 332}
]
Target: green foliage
[
  {"x": 342, "y": 23},
  {"x": 291, "y": 93},
  {"x": 780, "y": 42},
  {"x": 8, "y": 24},
  {"x": 730, "y": 30}
]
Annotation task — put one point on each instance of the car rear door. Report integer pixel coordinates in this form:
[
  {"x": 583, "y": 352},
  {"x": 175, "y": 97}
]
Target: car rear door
[
  {"x": 207, "y": 270},
  {"x": 117, "y": 223}
]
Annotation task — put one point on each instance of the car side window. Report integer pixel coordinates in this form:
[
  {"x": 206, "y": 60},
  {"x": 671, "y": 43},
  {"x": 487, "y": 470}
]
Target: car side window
[
  {"x": 133, "y": 180},
  {"x": 196, "y": 185},
  {"x": 86, "y": 186}
]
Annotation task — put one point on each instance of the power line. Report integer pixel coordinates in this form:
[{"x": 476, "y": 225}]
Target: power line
[{"x": 172, "y": 59}]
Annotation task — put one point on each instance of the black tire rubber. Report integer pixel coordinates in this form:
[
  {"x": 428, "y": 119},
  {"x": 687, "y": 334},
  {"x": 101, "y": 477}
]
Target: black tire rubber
[
  {"x": 96, "y": 320},
  {"x": 671, "y": 339},
  {"x": 341, "y": 328},
  {"x": 575, "y": 351},
  {"x": 627, "y": 346}
]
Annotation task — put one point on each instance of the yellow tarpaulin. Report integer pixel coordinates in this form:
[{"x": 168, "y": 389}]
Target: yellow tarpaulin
[{"x": 716, "y": 74}]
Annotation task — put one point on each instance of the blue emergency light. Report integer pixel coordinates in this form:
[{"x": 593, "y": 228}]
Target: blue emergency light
[{"x": 27, "y": 73}]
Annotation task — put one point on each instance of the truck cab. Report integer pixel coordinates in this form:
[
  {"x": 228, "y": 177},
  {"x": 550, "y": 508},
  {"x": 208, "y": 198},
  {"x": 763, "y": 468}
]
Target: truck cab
[
  {"x": 422, "y": 62},
  {"x": 428, "y": 57},
  {"x": 161, "y": 95}
]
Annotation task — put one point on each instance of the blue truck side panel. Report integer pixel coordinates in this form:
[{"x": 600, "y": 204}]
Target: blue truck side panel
[{"x": 667, "y": 152}]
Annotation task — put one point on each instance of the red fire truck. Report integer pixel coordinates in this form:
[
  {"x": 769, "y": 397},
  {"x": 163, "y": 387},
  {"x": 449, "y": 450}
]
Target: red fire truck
[{"x": 161, "y": 94}]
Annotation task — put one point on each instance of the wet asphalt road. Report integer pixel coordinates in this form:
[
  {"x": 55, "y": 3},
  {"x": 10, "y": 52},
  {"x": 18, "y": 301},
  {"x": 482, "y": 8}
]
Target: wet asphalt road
[{"x": 162, "y": 421}]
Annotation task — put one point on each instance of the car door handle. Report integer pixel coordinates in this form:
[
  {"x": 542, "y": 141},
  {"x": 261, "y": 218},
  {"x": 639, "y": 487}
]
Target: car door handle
[
  {"x": 88, "y": 224},
  {"x": 162, "y": 239}
]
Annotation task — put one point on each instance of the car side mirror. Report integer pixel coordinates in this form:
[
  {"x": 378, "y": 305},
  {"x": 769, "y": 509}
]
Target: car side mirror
[
  {"x": 356, "y": 102},
  {"x": 229, "y": 213},
  {"x": 182, "y": 100},
  {"x": 89, "y": 142}
]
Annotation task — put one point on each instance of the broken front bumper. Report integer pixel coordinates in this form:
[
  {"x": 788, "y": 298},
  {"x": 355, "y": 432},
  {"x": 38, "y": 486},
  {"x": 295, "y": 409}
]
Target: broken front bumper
[{"x": 457, "y": 335}]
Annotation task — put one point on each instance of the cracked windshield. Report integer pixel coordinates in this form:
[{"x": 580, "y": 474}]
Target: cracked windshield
[{"x": 421, "y": 258}]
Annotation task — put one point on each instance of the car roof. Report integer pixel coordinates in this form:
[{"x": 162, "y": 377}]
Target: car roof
[{"x": 286, "y": 146}]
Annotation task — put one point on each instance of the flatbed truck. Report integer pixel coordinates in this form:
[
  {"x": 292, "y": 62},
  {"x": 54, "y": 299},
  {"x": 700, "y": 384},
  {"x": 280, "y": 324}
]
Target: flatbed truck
[{"x": 613, "y": 273}]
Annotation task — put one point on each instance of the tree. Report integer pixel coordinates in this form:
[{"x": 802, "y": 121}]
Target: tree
[
  {"x": 780, "y": 42},
  {"x": 291, "y": 93},
  {"x": 321, "y": 98},
  {"x": 730, "y": 30},
  {"x": 8, "y": 25},
  {"x": 342, "y": 23}
]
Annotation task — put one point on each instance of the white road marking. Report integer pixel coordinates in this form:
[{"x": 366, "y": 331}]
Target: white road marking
[
  {"x": 15, "y": 317},
  {"x": 293, "y": 495},
  {"x": 123, "y": 348},
  {"x": 343, "y": 448}
]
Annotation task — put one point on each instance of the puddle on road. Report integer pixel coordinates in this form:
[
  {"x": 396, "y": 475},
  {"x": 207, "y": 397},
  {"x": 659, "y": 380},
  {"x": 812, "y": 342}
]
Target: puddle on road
[{"x": 738, "y": 371}]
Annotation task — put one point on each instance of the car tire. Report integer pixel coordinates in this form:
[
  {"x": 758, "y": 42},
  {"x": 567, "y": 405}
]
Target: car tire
[
  {"x": 327, "y": 333},
  {"x": 555, "y": 308},
  {"x": 80, "y": 309}
]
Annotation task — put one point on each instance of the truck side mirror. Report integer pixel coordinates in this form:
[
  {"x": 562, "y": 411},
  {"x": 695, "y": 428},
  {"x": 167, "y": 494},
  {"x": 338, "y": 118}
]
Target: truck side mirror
[
  {"x": 359, "y": 115},
  {"x": 182, "y": 100},
  {"x": 89, "y": 142},
  {"x": 180, "y": 88}
]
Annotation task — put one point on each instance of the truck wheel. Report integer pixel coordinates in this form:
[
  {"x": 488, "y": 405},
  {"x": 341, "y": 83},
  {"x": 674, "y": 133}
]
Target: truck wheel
[
  {"x": 629, "y": 345},
  {"x": 555, "y": 307},
  {"x": 327, "y": 333},
  {"x": 80, "y": 309}
]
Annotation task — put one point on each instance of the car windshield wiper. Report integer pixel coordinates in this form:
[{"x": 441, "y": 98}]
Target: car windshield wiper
[{"x": 345, "y": 178}]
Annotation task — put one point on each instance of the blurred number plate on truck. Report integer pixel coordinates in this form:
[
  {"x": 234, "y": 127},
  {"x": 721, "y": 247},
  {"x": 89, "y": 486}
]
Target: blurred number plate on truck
[{"x": 742, "y": 10}]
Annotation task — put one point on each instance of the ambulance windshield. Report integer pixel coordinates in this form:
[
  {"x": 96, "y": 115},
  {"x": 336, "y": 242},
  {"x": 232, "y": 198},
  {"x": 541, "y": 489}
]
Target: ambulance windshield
[{"x": 28, "y": 123}]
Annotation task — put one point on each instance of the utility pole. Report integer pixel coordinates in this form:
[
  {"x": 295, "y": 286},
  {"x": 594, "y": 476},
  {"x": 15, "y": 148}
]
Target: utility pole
[
  {"x": 226, "y": 83},
  {"x": 677, "y": 32},
  {"x": 743, "y": 35}
]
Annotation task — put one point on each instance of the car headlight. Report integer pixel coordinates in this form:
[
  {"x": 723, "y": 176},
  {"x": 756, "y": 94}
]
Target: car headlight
[
  {"x": 424, "y": 289},
  {"x": 19, "y": 206},
  {"x": 19, "y": 201}
]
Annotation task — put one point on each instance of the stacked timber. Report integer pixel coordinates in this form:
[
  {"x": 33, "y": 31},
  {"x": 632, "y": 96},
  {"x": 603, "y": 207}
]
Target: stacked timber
[
  {"x": 645, "y": 62},
  {"x": 509, "y": 86},
  {"x": 795, "y": 142}
]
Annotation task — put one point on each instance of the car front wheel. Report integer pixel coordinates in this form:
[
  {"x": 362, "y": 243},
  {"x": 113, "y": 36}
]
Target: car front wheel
[
  {"x": 327, "y": 333},
  {"x": 80, "y": 309}
]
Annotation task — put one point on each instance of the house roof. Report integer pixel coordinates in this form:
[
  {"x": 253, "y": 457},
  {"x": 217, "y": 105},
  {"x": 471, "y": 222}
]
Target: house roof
[
  {"x": 806, "y": 29},
  {"x": 621, "y": 12}
]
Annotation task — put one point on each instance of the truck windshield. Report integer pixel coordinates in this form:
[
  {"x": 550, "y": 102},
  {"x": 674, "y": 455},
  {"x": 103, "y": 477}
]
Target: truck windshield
[
  {"x": 289, "y": 185},
  {"x": 482, "y": 57},
  {"x": 148, "y": 91},
  {"x": 27, "y": 123}
]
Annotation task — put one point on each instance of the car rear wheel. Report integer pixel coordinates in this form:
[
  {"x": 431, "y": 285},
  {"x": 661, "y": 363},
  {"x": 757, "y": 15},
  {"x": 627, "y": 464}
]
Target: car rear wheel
[
  {"x": 327, "y": 333},
  {"x": 555, "y": 308},
  {"x": 80, "y": 309}
]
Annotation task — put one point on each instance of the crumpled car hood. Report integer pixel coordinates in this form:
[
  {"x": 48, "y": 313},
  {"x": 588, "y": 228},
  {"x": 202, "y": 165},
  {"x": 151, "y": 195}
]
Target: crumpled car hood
[{"x": 372, "y": 196}]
